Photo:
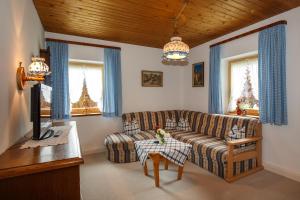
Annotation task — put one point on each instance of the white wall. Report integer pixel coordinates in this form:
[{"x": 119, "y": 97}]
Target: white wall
[
  {"x": 85, "y": 53},
  {"x": 21, "y": 37},
  {"x": 134, "y": 59},
  {"x": 281, "y": 151}
]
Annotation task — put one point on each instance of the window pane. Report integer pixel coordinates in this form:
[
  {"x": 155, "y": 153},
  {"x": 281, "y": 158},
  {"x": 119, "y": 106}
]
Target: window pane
[
  {"x": 244, "y": 82},
  {"x": 92, "y": 75}
]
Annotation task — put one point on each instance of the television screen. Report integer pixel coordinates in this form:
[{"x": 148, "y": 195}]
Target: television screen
[
  {"x": 45, "y": 99},
  {"x": 41, "y": 110}
]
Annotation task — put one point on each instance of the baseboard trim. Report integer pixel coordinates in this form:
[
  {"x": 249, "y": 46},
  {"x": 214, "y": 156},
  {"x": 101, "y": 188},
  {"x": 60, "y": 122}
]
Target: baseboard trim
[
  {"x": 282, "y": 171},
  {"x": 86, "y": 152}
]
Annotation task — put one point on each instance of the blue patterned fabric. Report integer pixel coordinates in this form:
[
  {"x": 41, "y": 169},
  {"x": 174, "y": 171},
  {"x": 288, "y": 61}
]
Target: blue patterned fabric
[
  {"x": 272, "y": 75},
  {"x": 59, "y": 82},
  {"x": 112, "y": 97},
  {"x": 215, "y": 95}
]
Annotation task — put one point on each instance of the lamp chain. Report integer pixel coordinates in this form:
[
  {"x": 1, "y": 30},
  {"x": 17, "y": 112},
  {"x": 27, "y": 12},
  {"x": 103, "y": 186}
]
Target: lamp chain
[{"x": 186, "y": 2}]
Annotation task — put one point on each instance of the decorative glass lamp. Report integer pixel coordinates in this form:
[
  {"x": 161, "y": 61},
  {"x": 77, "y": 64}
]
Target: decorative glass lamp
[
  {"x": 176, "y": 50},
  {"x": 38, "y": 67},
  {"x": 37, "y": 70}
]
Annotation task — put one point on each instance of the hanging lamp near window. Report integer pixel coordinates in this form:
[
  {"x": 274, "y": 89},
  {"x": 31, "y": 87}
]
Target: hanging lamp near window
[{"x": 176, "y": 49}]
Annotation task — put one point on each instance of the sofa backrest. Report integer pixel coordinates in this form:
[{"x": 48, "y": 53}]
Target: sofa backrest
[
  {"x": 220, "y": 125},
  {"x": 150, "y": 120},
  {"x": 204, "y": 123}
]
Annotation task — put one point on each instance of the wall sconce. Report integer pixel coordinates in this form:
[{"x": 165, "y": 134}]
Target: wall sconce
[{"x": 38, "y": 69}]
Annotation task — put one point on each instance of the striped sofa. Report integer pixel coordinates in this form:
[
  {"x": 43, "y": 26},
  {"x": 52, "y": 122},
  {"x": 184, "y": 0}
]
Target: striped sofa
[{"x": 227, "y": 160}]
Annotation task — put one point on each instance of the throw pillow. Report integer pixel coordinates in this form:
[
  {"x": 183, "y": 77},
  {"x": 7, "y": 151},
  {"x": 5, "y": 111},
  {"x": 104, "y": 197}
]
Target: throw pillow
[
  {"x": 170, "y": 124},
  {"x": 236, "y": 133},
  {"x": 131, "y": 128},
  {"x": 183, "y": 125}
]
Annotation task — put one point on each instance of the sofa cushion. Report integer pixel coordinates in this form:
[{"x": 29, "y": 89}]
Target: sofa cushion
[
  {"x": 208, "y": 147},
  {"x": 171, "y": 124},
  {"x": 144, "y": 135},
  {"x": 183, "y": 125},
  {"x": 162, "y": 116},
  {"x": 131, "y": 127},
  {"x": 204, "y": 145},
  {"x": 191, "y": 116},
  {"x": 220, "y": 125},
  {"x": 237, "y": 133},
  {"x": 146, "y": 120},
  {"x": 180, "y": 135}
]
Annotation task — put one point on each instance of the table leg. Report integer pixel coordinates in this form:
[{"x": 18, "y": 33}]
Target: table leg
[
  {"x": 166, "y": 164},
  {"x": 180, "y": 171},
  {"x": 156, "y": 158},
  {"x": 146, "y": 169}
]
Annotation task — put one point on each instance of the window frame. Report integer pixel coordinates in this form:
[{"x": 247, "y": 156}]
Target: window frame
[{"x": 250, "y": 112}]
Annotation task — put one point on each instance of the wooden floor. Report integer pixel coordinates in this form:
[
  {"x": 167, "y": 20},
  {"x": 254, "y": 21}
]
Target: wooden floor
[{"x": 101, "y": 179}]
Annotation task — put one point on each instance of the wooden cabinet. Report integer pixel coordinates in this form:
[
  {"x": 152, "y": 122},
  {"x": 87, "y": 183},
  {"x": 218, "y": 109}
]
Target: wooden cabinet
[{"x": 44, "y": 172}]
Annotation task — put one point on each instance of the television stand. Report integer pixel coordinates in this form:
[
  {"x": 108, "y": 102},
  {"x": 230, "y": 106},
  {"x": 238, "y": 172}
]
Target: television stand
[{"x": 48, "y": 173}]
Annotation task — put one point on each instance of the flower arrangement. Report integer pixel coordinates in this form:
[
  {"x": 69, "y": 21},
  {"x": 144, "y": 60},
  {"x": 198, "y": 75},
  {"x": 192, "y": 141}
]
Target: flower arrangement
[
  {"x": 161, "y": 135},
  {"x": 240, "y": 107}
]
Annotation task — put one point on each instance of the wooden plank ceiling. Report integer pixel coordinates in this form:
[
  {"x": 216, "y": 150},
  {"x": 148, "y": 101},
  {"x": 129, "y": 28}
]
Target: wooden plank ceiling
[{"x": 150, "y": 22}]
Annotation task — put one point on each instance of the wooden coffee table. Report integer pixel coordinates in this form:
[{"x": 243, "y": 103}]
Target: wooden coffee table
[
  {"x": 174, "y": 151},
  {"x": 156, "y": 158}
]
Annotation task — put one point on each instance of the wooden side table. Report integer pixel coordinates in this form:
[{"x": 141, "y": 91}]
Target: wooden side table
[{"x": 156, "y": 158}]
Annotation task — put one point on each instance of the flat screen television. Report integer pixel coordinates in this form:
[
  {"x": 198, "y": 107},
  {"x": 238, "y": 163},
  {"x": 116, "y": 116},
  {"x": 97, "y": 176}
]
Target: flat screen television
[{"x": 41, "y": 111}]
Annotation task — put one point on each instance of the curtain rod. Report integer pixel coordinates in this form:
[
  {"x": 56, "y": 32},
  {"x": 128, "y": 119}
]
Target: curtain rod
[
  {"x": 82, "y": 43},
  {"x": 249, "y": 32}
]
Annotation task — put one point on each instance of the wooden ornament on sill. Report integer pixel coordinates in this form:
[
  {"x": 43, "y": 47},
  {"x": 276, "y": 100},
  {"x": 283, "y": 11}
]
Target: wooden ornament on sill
[{"x": 85, "y": 105}]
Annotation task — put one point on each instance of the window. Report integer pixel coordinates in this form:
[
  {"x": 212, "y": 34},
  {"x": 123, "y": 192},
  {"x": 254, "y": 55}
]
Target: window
[
  {"x": 85, "y": 87},
  {"x": 243, "y": 85}
]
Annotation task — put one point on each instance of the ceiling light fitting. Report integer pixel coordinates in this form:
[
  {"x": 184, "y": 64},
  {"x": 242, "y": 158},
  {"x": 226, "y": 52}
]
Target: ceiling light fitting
[{"x": 176, "y": 50}]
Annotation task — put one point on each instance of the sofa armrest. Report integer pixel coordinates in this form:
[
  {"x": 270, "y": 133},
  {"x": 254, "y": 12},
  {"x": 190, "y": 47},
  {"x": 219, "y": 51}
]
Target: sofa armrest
[{"x": 243, "y": 141}]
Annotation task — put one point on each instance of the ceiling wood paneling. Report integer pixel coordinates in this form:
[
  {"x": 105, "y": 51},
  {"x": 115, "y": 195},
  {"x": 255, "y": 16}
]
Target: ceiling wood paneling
[{"x": 150, "y": 22}]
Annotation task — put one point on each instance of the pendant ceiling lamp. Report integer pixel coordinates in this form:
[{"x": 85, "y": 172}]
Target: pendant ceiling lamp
[{"x": 176, "y": 49}]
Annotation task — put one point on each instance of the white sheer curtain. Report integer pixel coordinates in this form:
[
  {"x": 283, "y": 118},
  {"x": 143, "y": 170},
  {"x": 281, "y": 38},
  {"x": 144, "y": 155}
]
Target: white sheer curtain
[
  {"x": 237, "y": 77},
  {"x": 93, "y": 74}
]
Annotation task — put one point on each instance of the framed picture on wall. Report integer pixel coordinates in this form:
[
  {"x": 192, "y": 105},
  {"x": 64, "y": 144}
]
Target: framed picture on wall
[
  {"x": 152, "y": 78},
  {"x": 198, "y": 74}
]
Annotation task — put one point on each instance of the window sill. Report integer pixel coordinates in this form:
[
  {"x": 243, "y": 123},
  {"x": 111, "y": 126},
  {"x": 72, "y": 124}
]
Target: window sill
[
  {"x": 86, "y": 115},
  {"x": 85, "y": 111},
  {"x": 76, "y": 115},
  {"x": 249, "y": 115}
]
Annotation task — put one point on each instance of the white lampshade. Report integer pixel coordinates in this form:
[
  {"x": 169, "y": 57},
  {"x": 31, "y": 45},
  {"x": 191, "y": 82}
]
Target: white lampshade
[
  {"x": 176, "y": 50},
  {"x": 38, "y": 67}
]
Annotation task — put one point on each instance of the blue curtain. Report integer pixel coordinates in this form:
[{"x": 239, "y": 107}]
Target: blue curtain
[
  {"x": 215, "y": 96},
  {"x": 272, "y": 75},
  {"x": 59, "y": 80},
  {"x": 112, "y": 97}
]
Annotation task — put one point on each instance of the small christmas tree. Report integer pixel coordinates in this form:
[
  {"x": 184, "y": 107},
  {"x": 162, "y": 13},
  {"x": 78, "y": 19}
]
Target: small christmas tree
[{"x": 247, "y": 98}]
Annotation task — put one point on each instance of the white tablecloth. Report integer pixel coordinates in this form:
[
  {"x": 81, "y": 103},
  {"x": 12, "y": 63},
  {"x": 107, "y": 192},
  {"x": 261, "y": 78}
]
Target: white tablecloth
[{"x": 173, "y": 150}]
